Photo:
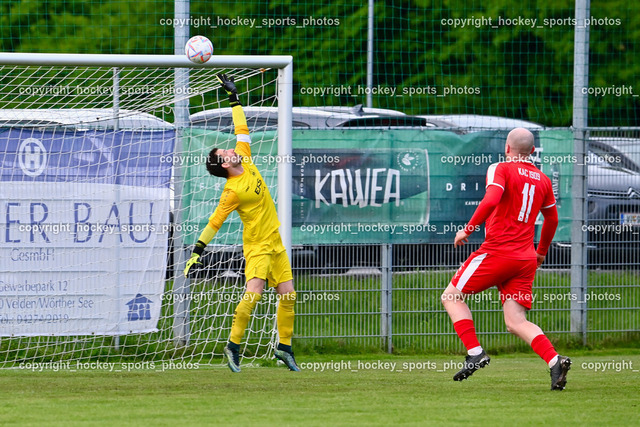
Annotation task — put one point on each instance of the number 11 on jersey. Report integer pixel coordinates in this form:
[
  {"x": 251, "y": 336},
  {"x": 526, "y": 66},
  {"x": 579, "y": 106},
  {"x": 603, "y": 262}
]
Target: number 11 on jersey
[{"x": 527, "y": 200}]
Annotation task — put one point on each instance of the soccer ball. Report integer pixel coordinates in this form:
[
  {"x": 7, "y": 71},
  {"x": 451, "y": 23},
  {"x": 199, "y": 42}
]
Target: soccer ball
[{"x": 199, "y": 49}]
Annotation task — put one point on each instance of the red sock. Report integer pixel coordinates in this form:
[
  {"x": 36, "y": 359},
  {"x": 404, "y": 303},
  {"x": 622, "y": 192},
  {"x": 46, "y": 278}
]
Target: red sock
[
  {"x": 467, "y": 333},
  {"x": 543, "y": 347}
]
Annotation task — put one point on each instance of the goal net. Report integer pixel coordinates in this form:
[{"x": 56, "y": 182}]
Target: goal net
[{"x": 105, "y": 191}]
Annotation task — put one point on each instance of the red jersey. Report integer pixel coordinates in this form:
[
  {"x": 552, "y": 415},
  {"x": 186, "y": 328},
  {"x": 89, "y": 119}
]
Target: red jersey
[{"x": 510, "y": 229}]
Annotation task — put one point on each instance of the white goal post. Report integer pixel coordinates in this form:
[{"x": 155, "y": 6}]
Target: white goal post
[{"x": 186, "y": 75}]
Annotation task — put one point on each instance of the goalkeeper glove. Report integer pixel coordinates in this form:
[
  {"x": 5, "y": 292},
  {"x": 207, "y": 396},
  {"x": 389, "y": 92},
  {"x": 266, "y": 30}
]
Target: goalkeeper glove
[
  {"x": 229, "y": 86},
  {"x": 195, "y": 257}
]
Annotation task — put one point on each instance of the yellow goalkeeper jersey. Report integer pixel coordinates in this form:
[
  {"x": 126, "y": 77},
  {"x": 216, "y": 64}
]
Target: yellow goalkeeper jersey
[{"x": 248, "y": 194}]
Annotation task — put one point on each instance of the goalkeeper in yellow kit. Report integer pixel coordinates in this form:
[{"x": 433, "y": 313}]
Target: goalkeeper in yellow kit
[{"x": 265, "y": 255}]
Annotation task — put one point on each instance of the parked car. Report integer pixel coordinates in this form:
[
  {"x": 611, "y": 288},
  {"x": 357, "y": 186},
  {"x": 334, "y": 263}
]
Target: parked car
[
  {"x": 82, "y": 119},
  {"x": 266, "y": 118},
  {"x": 477, "y": 122},
  {"x": 629, "y": 147},
  {"x": 613, "y": 202}
]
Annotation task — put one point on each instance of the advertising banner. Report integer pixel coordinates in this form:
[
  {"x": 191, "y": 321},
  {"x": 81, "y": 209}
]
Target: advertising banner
[
  {"x": 84, "y": 219},
  {"x": 380, "y": 186}
]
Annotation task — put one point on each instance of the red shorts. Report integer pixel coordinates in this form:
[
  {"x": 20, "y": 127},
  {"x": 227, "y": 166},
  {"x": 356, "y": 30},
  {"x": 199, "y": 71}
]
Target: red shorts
[{"x": 513, "y": 277}]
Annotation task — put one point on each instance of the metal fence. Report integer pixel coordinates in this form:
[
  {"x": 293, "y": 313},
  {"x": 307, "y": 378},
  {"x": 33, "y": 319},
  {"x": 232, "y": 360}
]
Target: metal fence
[{"x": 388, "y": 296}]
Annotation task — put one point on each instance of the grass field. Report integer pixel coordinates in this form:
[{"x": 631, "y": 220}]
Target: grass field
[{"x": 603, "y": 389}]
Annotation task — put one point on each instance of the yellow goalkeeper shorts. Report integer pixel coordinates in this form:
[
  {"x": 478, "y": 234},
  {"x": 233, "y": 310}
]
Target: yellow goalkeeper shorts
[{"x": 268, "y": 261}]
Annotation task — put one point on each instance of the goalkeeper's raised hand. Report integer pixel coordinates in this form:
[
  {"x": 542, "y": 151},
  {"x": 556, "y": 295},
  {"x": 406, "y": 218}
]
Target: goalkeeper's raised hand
[{"x": 229, "y": 86}]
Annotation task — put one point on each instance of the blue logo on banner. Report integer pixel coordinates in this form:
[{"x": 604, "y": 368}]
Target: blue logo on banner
[
  {"x": 139, "y": 308},
  {"x": 32, "y": 157}
]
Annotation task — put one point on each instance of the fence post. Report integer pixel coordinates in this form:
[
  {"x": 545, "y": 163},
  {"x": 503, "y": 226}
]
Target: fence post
[
  {"x": 116, "y": 127},
  {"x": 579, "y": 185},
  {"x": 370, "y": 35},
  {"x": 386, "y": 296}
]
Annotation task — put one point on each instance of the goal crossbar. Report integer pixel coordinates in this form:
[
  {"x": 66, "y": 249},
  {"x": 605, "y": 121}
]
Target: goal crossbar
[{"x": 168, "y": 61}]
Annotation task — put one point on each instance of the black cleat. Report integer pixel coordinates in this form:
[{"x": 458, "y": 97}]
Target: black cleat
[
  {"x": 472, "y": 364},
  {"x": 288, "y": 359},
  {"x": 559, "y": 373},
  {"x": 233, "y": 358}
]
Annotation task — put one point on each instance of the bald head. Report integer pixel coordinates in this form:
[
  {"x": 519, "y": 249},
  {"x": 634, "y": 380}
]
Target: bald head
[{"x": 520, "y": 142}]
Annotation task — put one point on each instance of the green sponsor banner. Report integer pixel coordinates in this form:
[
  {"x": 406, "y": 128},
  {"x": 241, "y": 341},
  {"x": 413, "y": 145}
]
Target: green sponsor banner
[
  {"x": 395, "y": 186},
  {"x": 556, "y": 159},
  {"x": 373, "y": 186},
  {"x": 348, "y": 192}
]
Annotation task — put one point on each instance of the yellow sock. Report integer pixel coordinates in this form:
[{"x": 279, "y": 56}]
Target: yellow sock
[
  {"x": 242, "y": 315},
  {"x": 285, "y": 317}
]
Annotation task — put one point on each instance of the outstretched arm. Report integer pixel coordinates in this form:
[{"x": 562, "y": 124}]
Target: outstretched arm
[
  {"x": 228, "y": 203},
  {"x": 239, "y": 119}
]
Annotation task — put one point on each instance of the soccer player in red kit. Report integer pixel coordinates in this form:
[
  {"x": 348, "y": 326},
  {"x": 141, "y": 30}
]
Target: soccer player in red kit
[{"x": 516, "y": 191}]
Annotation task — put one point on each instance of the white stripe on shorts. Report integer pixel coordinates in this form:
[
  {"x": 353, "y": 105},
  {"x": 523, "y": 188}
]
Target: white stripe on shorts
[{"x": 468, "y": 272}]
